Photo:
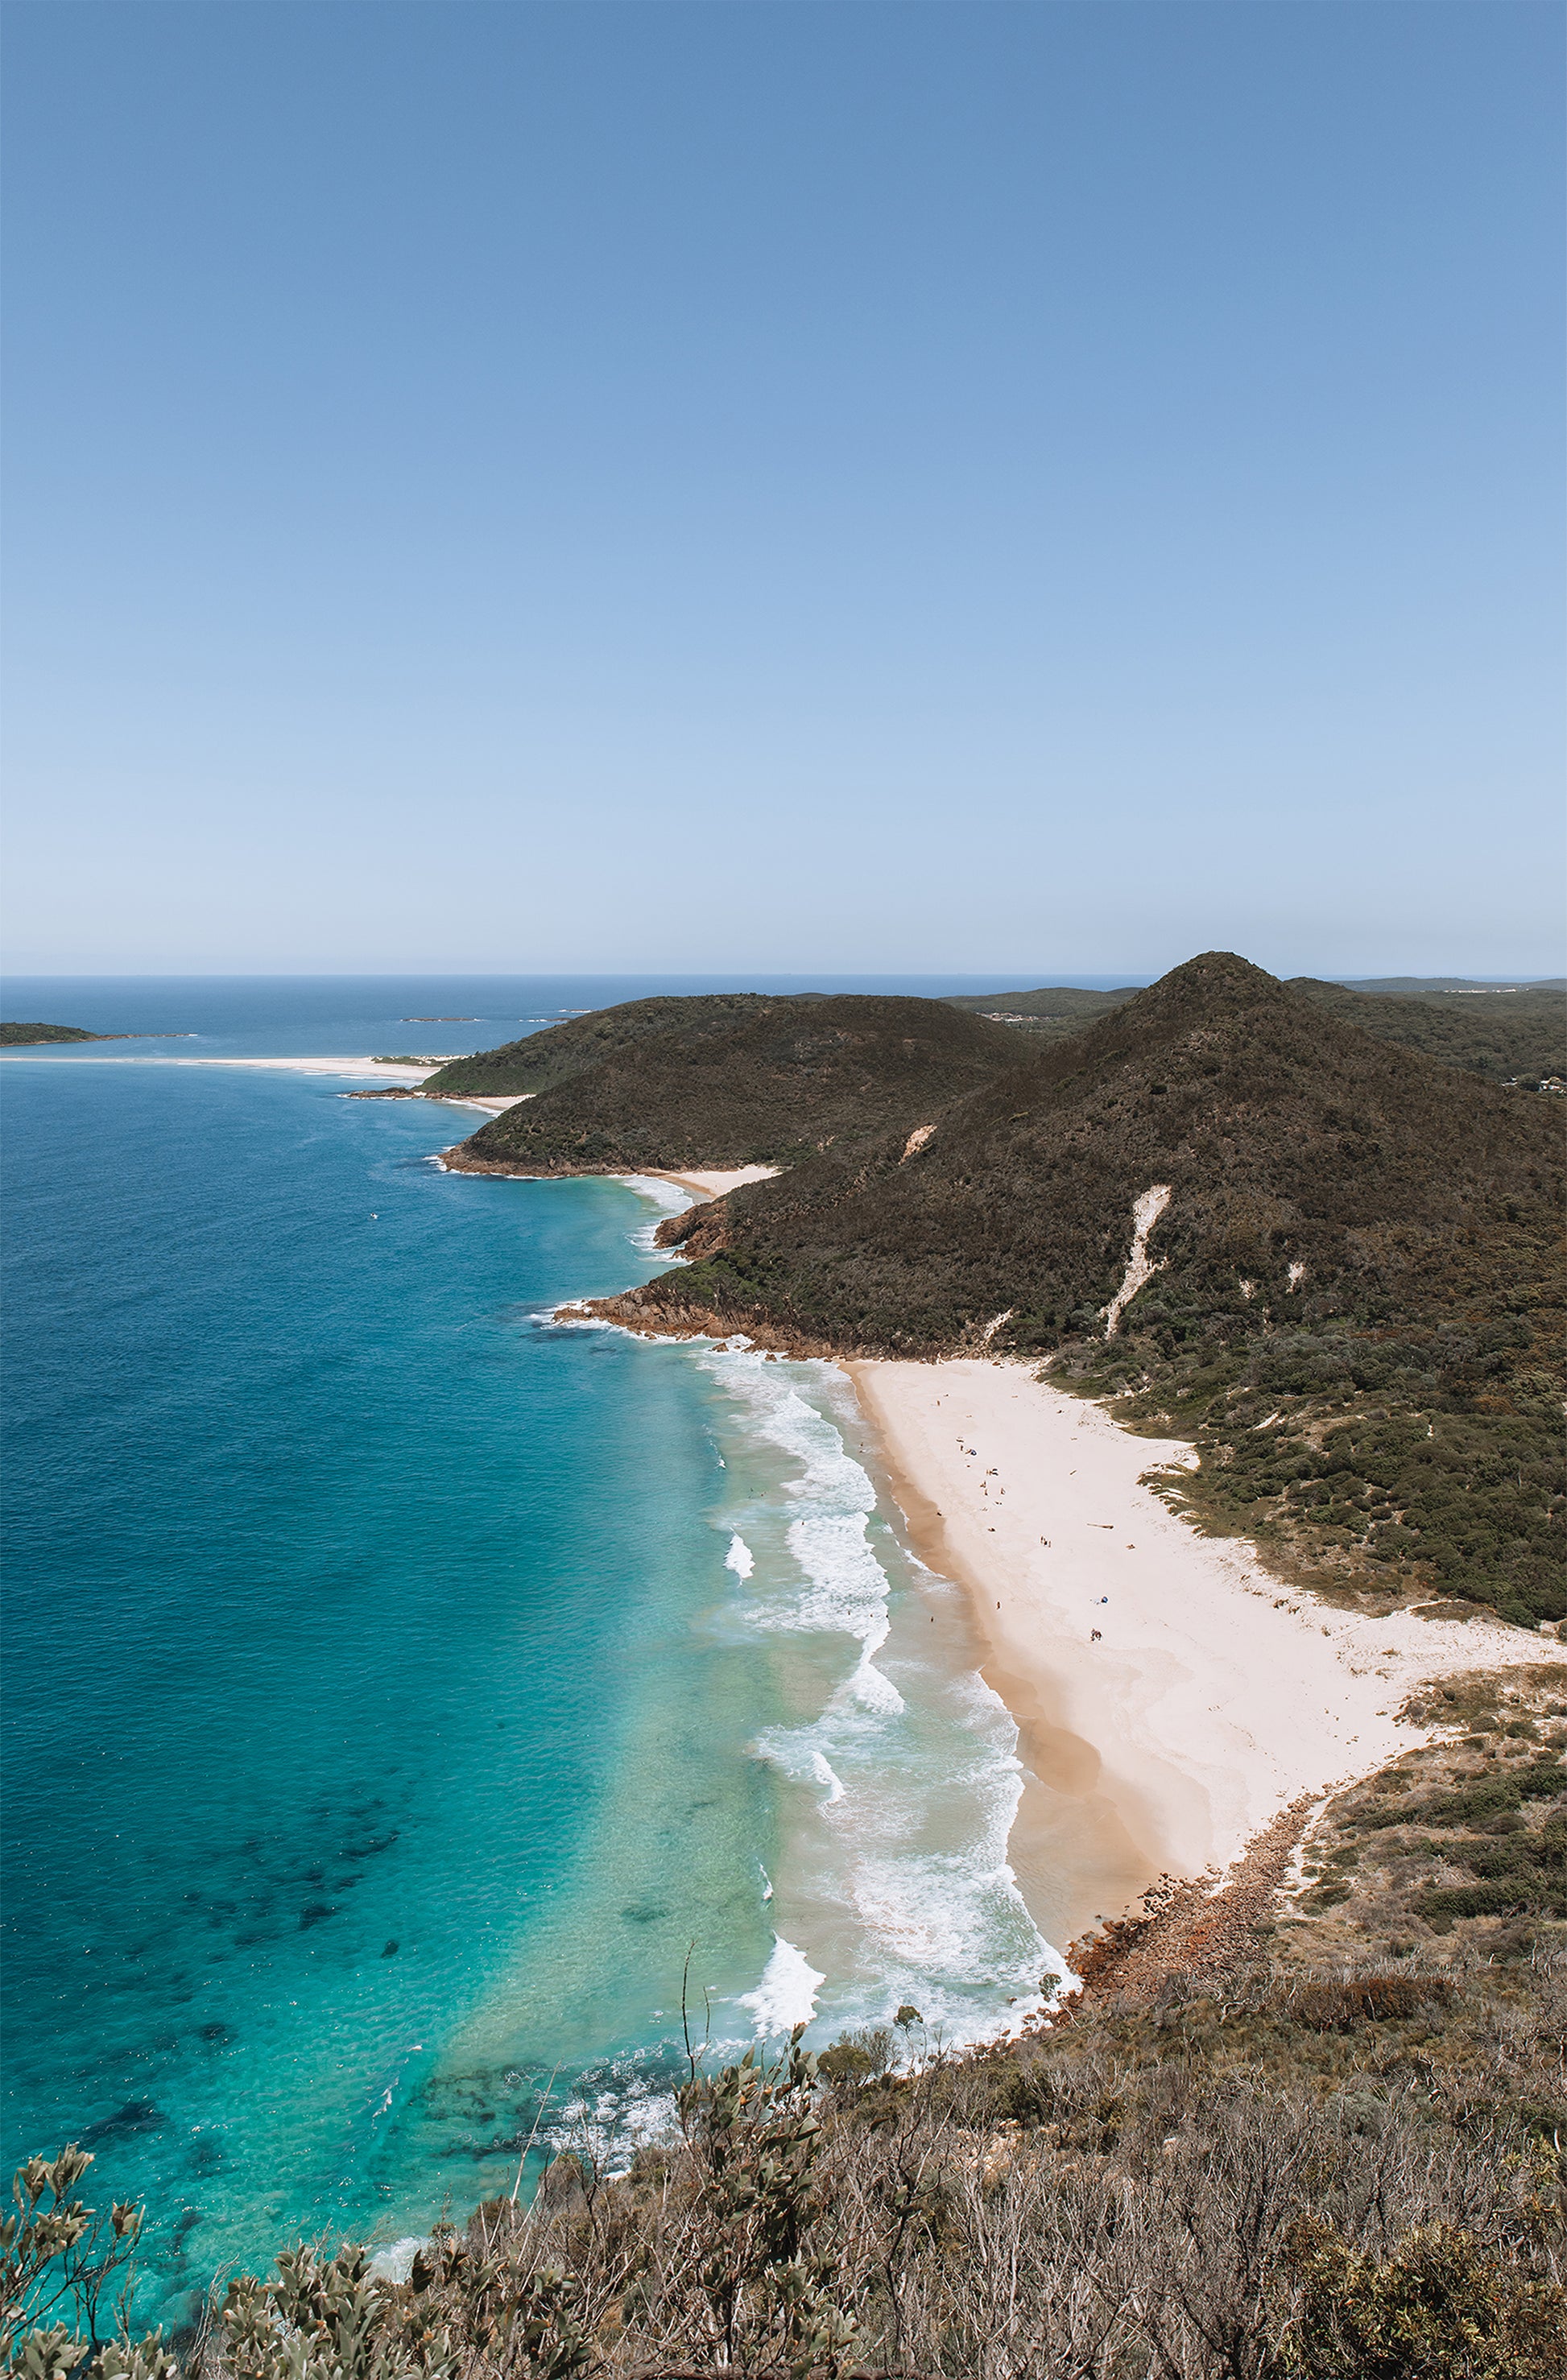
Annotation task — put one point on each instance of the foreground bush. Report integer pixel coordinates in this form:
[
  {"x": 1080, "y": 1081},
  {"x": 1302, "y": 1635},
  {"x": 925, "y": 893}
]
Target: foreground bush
[{"x": 1301, "y": 2178}]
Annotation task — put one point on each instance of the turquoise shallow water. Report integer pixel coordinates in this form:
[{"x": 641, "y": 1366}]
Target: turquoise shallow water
[{"x": 399, "y": 1684}]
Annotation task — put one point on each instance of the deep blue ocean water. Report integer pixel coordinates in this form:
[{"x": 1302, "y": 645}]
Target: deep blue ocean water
[{"x": 400, "y": 1684}]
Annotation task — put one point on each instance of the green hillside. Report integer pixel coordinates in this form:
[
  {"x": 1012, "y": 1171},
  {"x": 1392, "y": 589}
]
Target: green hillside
[
  {"x": 1358, "y": 1306},
  {"x": 1053, "y": 1012},
  {"x": 541, "y": 1059},
  {"x": 1508, "y": 1035},
  {"x": 13, "y": 1036},
  {"x": 775, "y": 1081},
  {"x": 1451, "y": 987}
]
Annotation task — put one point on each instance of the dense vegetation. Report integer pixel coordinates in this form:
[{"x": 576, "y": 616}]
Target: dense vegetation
[
  {"x": 1465, "y": 1839},
  {"x": 1051, "y": 1013},
  {"x": 540, "y": 1060},
  {"x": 1357, "y": 1310},
  {"x": 1508, "y": 1037},
  {"x": 1518, "y": 1035},
  {"x": 782, "y": 1080},
  {"x": 13, "y": 1036},
  {"x": 1331, "y": 2150},
  {"x": 1449, "y": 988}
]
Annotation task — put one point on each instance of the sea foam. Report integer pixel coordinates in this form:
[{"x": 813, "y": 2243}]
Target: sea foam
[
  {"x": 786, "y": 1993},
  {"x": 670, "y": 1199},
  {"x": 899, "y": 1885}
]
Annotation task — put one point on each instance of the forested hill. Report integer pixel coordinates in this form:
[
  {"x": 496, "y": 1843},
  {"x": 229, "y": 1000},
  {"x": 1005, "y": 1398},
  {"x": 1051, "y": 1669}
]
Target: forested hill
[
  {"x": 1509, "y": 1036},
  {"x": 778, "y": 1080},
  {"x": 1506, "y": 1036},
  {"x": 1053, "y": 1012},
  {"x": 1361, "y": 1250},
  {"x": 15, "y": 1037},
  {"x": 540, "y": 1060}
]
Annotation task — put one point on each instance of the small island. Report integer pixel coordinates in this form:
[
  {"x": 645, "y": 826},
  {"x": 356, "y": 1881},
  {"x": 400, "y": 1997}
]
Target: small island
[{"x": 18, "y": 1036}]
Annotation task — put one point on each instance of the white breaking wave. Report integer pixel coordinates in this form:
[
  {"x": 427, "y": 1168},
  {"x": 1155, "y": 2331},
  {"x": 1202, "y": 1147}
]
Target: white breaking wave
[
  {"x": 396, "y": 2263},
  {"x": 911, "y": 1779},
  {"x": 739, "y": 1558},
  {"x": 846, "y": 1586},
  {"x": 786, "y": 1993},
  {"x": 670, "y": 1200},
  {"x": 951, "y": 1921}
]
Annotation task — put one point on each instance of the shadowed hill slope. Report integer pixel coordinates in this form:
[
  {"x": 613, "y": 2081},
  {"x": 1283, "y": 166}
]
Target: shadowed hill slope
[
  {"x": 787, "y": 1079},
  {"x": 1288, "y": 1139},
  {"x": 541, "y": 1059},
  {"x": 1508, "y": 1037},
  {"x": 1513, "y": 1035},
  {"x": 1050, "y": 1014},
  {"x": 14, "y": 1035},
  {"x": 1355, "y": 1235}
]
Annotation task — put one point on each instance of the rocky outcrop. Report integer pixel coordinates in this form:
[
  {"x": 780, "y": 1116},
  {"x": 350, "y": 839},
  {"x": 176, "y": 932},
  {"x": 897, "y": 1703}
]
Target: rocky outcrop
[{"x": 670, "y": 1318}]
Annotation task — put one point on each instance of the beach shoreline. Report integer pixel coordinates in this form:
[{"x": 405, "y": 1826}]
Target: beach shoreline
[
  {"x": 368, "y": 1069},
  {"x": 1171, "y": 1697}
]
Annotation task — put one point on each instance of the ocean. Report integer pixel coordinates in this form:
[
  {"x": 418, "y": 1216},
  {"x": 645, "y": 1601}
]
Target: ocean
[{"x": 404, "y": 1690}]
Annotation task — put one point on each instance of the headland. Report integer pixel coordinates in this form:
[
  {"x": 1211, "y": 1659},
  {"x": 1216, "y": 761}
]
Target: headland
[{"x": 1304, "y": 1267}]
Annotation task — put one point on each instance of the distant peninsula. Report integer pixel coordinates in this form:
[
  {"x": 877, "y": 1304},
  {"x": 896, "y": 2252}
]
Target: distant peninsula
[
  {"x": 721, "y": 1080},
  {"x": 18, "y": 1036}
]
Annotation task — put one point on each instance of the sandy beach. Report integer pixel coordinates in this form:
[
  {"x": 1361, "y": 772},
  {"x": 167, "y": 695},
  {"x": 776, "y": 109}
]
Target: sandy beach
[
  {"x": 706, "y": 1185},
  {"x": 383, "y": 1070},
  {"x": 1170, "y": 1695},
  {"x": 375, "y": 1069}
]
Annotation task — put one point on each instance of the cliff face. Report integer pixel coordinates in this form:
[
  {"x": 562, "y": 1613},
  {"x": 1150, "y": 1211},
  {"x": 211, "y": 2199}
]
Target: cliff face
[{"x": 786, "y": 1080}]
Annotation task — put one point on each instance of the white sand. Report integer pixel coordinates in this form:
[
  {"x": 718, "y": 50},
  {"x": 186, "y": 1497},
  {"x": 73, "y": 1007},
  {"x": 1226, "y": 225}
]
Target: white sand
[
  {"x": 488, "y": 1107},
  {"x": 1214, "y": 1694},
  {"x": 357, "y": 1067},
  {"x": 372, "y": 1069},
  {"x": 708, "y": 1186}
]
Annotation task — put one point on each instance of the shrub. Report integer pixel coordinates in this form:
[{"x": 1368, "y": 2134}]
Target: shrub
[{"x": 1440, "y": 2307}]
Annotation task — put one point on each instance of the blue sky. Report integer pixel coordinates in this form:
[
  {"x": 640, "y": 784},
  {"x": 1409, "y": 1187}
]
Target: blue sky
[{"x": 1020, "y": 490}]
